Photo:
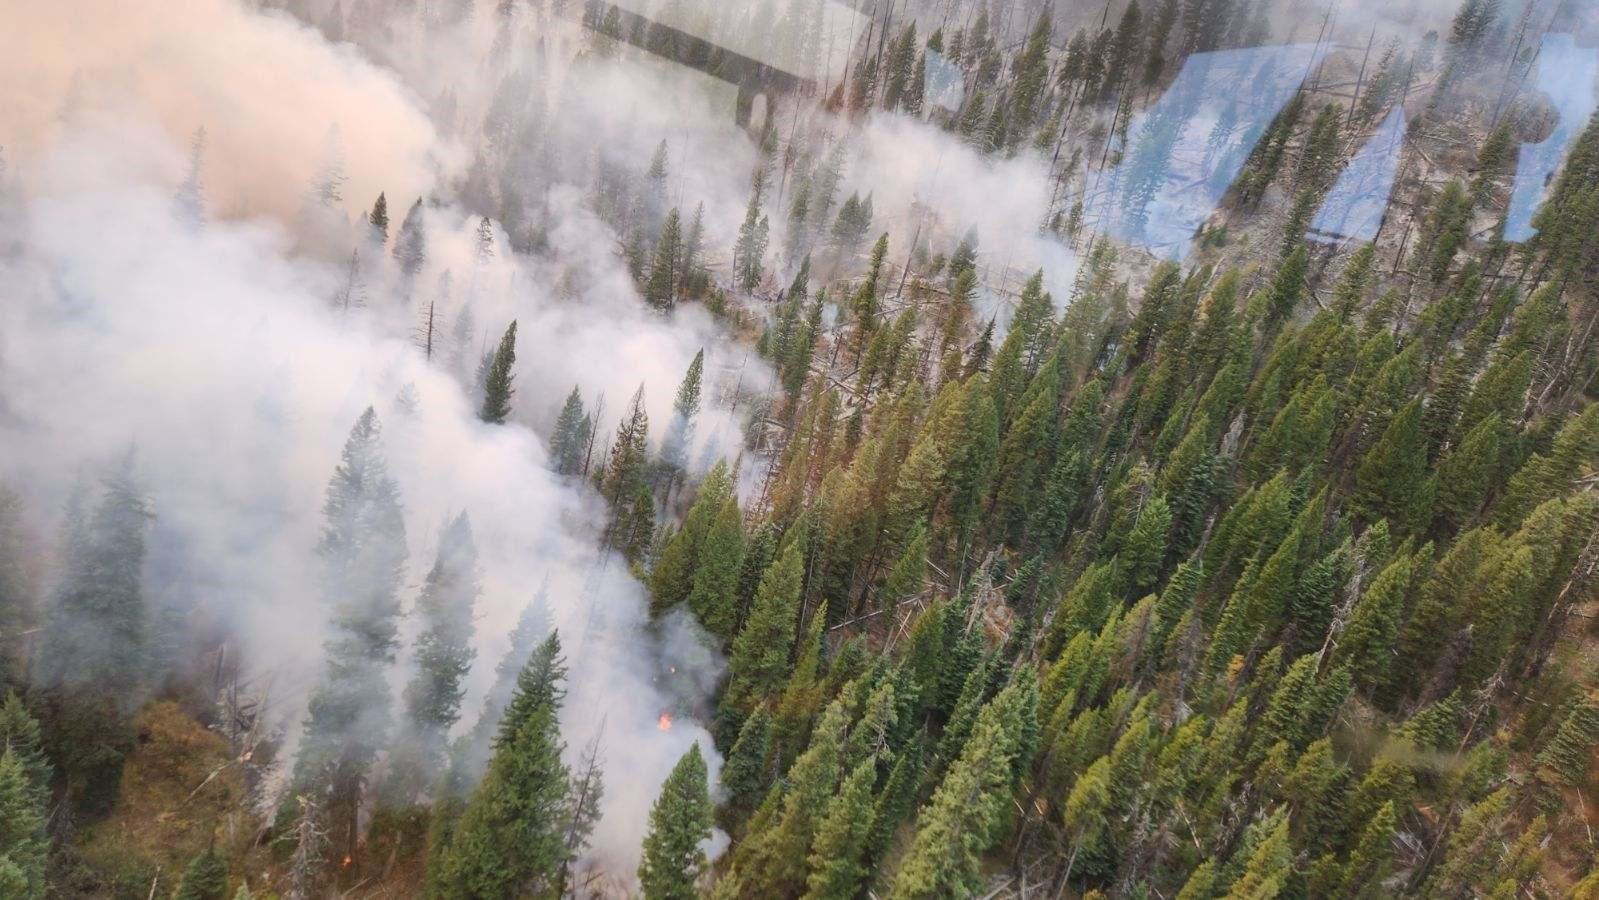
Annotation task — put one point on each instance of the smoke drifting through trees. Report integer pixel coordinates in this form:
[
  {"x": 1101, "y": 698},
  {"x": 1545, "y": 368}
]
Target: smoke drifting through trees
[
  {"x": 211, "y": 350},
  {"x": 216, "y": 294}
]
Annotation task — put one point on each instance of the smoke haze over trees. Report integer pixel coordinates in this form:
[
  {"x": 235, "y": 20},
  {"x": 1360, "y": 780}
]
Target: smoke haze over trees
[{"x": 458, "y": 448}]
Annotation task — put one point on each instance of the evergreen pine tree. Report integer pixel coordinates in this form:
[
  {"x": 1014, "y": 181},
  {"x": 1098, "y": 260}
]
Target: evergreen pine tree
[
  {"x": 442, "y": 654},
  {"x": 746, "y": 775},
  {"x": 661, "y": 287},
  {"x": 1288, "y": 287},
  {"x": 758, "y": 665},
  {"x": 916, "y": 95},
  {"x": 1367, "y": 642},
  {"x": 569, "y": 443},
  {"x": 1267, "y": 868},
  {"x": 680, "y": 822},
  {"x": 410, "y": 245},
  {"x": 96, "y": 632},
  {"x": 1567, "y": 759},
  {"x": 24, "y": 846},
  {"x": 205, "y": 878},
  {"x": 1201, "y": 883},
  {"x": 533, "y": 627},
  {"x": 21, "y": 736},
  {"x": 901, "y": 59},
  {"x": 1469, "y": 472},
  {"x": 894, "y": 804},
  {"x": 1032, "y": 71},
  {"x": 497, "y": 389},
  {"x": 583, "y": 800},
  {"x": 906, "y": 576},
  {"x": 672, "y": 578},
  {"x": 1471, "y": 858},
  {"x": 750, "y": 248},
  {"x": 835, "y": 866},
  {"x": 1390, "y": 481},
  {"x": 714, "y": 595},
  {"x": 363, "y": 553},
  {"x": 1350, "y": 291},
  {"x": 1084, "y": 812},
  {"x": 1372, "y": 853},
  {"x": 510, "y": 839},
  {"x": 772, "y": 858},
  {"x": 1546, "y": 476},
  {"x": 685, "y": 410},
  {"x": 691, "y": 271},
  {"x": 1145, "y": 547},
  {"x": 1447, "y": 230},
  {"x": 963, "y": 818},
  {"x": 626, "y": 469},
  {"x": 378, "y": 221}
]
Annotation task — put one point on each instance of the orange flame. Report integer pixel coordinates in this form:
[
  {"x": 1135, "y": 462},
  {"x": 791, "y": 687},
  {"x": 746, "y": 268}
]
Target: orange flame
[
  {"x": 665, "y": 722},
  {"x": 346, "y": 862}
]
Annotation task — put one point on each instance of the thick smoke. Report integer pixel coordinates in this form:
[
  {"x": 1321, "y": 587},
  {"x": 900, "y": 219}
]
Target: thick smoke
[
  {"x": 275, "y": 99},
  {"x": 213, "y": 351},
  {"x": 613, "y": 108},
  {"x": 941, "y": 188},
  {"x": 233, "y": 355},
  {"x": 214, "y": 355}
]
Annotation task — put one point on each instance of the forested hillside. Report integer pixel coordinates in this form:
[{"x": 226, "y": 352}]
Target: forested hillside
[{"x": 1002, "y": 450}]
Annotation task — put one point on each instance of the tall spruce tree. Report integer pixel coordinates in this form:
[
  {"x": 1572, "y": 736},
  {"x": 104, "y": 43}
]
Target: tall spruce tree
[
  {"x": 97, "y": 629},
  {"x": 378, "y": 221},
  {"x": 533, "y": 627},
  {"x": 759, "y": 662},
  {"x": 442, "y": 655},
  {"x": 749, "y": 251},
  {"x": 24, "y": 845},
  {"x": 510, "y": 840},
  {"x": 714, "y": 595},
  {"x": 204, "y": 878},
  {"x": 962, "y": 819},
  {"x": 835, "y": 866},
  {"x": 746, "y": 773},
  {"x": 627, "y": 466},
  {"x": 497, "y": 386},
  {"x": 363, "y": 557},
  {"x": 680, "y": 823},
  {"x": 410, "y": 245},
  {"x": 680, "y": 430},
  {"x": 666, "y": 274},
  {"x": 569, "y": 443}
]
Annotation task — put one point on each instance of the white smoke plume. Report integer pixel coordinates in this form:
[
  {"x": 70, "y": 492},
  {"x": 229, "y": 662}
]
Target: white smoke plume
[
  {"x": 943, "y": 188},
  {"x": 269, "y": 91},
  {"x": 214, "y": 355},
  {"x": 213, "y": 351}
]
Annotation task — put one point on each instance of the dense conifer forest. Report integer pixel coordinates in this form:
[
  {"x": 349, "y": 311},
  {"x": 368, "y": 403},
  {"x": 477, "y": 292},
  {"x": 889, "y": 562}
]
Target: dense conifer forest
[{"x": 891, "y": 448}]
